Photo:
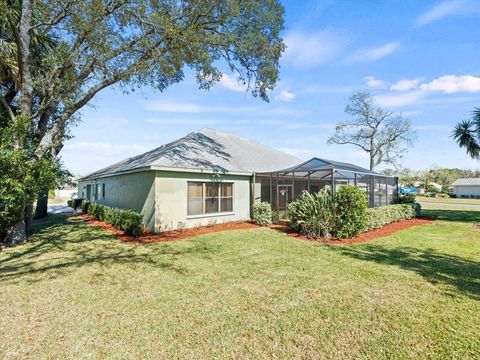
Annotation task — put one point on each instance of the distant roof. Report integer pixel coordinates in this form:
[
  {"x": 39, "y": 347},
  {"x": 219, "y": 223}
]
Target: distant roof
[
  {"x": 466, "y": 182},
  {"x": 321, "y": 167},
  {"x": 206, "y": 149}
]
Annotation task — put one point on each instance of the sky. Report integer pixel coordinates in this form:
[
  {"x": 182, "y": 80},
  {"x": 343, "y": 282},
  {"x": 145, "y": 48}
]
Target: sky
[{"x": 417, "y": 58}]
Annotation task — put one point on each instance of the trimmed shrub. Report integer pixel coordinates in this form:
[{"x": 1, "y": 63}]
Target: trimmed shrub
[
  {"x": 70, "y": 203},
  {"x": 406, "y": 199},
  {"x": 383, "y": 215},
  {"x": 350, "y": 211},
  {"x": 127, "y": 220},
  {"x": 12, "y": 199},
  {"x": 85, "y": 206},
  {"x": 262, "y": 214},
  {"x": 313, "y": 214},
  {"x": 131, "y": 222}
]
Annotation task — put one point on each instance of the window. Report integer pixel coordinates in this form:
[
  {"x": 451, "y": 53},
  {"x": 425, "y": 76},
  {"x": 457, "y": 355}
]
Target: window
[
  {"x": 209, "y": 198},
  {"x": 103, "y": 191}
]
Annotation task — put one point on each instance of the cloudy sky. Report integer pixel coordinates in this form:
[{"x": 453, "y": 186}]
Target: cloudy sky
[{"x": 418, "y": 58}]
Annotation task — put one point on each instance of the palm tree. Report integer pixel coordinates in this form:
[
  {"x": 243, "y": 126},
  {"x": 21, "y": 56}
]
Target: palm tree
[{"x": 467, "y": 134}]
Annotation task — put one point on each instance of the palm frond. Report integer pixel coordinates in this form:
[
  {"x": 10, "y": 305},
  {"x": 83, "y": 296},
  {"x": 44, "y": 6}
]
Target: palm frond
[{"x": 467, "y": 136}]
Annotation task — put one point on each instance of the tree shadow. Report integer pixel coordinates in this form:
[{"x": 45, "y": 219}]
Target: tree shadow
[
  {"x": 454, "y": 215},
  {"x": 457, "y": 274},
  {"x": 62, "y": 244}
]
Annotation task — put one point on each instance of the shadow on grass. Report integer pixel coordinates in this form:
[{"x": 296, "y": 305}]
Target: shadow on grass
[
  {"x": 454, "y": 215},
  {"x": 458, "y": 274},
  {"x": 60, "y": 244}
]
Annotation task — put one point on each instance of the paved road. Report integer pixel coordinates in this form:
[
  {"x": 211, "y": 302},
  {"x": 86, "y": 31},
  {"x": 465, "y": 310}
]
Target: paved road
[{"x": 451, "y": 205}]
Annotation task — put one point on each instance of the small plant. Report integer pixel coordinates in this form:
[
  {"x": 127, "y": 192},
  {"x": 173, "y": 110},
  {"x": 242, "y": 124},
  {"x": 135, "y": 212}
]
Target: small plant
[
  {"x": 211, "y": 222},
  {"x": 85, "y": 205},
  {"x": 262, "y": 214},
  {"x": 70, "y": 203},
  {"x": 181, "y": 225},
  {"x": 407, "y": 199}
]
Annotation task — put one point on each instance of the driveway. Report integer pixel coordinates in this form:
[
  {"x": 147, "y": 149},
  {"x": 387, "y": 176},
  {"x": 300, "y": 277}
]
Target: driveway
[{"x": 60, "y": 209}]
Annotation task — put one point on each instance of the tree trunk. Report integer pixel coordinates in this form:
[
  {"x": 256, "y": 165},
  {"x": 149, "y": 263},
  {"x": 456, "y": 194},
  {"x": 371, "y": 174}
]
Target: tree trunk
[
  {"x": 17, "y": 234},
  {"x": 28, "y": 217},
  {"x": 41, "y": 210}
]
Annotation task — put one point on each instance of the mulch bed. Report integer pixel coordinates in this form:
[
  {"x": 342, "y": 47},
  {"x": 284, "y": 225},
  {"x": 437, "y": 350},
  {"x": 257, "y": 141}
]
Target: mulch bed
[
  {"x": 150, "y": 237},
  {"x": 369, "y": 235}
]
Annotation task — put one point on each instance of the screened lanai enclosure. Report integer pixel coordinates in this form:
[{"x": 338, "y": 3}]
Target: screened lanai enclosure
[{"x": 281, "y": 187}]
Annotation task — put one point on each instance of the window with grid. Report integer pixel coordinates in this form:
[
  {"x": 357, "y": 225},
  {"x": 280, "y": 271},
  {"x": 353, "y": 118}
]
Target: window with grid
[{"x": 209, "y": 198}]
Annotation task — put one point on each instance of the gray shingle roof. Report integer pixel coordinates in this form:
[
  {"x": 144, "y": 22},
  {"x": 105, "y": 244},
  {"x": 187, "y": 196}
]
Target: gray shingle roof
[
  {"x": 466, "y": 182},
  {"x": 206, "y": 149}
]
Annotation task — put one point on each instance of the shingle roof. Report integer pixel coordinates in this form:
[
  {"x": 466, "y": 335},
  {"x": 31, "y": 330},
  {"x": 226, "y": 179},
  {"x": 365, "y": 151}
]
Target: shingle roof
[
  {"x": 206, "y": 149},
  {"x": 466, "y": 182}
]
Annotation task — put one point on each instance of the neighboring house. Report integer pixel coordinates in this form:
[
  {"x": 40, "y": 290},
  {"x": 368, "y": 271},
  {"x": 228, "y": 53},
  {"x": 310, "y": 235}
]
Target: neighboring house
[
  {"x": 467, "y": 188},
  {"x": 212, "y": 177}
]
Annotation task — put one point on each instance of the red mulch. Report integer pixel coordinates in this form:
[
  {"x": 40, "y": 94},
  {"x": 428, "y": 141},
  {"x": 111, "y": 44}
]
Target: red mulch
[
  {"x": 369, "y": 235},
  {"x": 150, "y": 237}
]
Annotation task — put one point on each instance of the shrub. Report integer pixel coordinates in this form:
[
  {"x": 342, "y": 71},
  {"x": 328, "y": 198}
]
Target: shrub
[
  {"x": 313, "y": 214},
  {"x": 383, "y": 215},
  {"x": 442, "y": 195},
  {"x": 85, "y": 206},
  {"x": 127, "y": 220},
  {"x": 12, "y": 199},
  {"x": 430, "y": 194},
  {"x": 131, "y": 222},
  {"x": 350, "y": 211},
  {"x": 70, "y": 203},
  {"x": 406, "y": 199},
  {"x": 262, "y": 214}
]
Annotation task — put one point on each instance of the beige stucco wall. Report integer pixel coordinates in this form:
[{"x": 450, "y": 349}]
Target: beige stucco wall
[
  {"x": 134, "y": 191},
  {"x": 466, "y": 190},
  {"x": 171, "y": 200}
]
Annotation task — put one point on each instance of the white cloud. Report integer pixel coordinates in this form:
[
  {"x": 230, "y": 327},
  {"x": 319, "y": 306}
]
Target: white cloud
[
  {"x": 446, "y": 9},
  {"x": 405, "y": 85},
  {"x": 450, "y": 84},
  {"x": 312, "y": 49},
  {"x": 285, "y": 95},
  {"x": 373, "y": 54},
  {"x": 231, "y": 83},
  {"x": 374, "y": 83},
  {"x": 397, "y": 100}
]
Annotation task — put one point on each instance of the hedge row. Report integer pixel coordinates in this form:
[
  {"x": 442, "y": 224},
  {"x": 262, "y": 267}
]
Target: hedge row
[
  {"x": 378, "y": 217},
  {"x": 127, "y": 220}
]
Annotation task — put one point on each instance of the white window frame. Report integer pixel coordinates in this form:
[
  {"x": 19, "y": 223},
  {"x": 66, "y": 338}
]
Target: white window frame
[{"x": 219, "y": 213}]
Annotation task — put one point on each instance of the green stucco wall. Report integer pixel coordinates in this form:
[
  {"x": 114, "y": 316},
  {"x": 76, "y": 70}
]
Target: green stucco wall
[
  {"x": 161, "y": 196},
  {"x": 129, "y": 191},
  {"x": 171, "y": 200}
]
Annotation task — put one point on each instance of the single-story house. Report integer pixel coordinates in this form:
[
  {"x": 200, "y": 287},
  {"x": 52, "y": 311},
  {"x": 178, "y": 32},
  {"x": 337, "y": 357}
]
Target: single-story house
[
  {"x": 211, "y": 177},
  {"x": 467, "y": 188}
]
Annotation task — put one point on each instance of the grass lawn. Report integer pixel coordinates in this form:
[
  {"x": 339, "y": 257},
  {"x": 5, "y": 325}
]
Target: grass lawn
[
  {"x": 448, "y": 200},
  {"x": 77, "y": 292}
]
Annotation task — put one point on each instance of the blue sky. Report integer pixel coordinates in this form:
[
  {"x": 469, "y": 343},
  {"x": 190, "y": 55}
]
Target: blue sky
[{"x": 418, "y": 58}]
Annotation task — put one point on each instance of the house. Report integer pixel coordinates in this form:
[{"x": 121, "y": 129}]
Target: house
[
  {"x": 211, "y": 177},
  {"x": 467, "y": 188}
]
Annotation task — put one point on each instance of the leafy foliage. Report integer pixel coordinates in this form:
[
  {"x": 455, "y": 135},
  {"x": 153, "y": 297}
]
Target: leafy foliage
[
  {"x": 383, "y": 215},
  {"x": 12, "y": 198},
  {"x": 313, "y": 214},
  {"x": 467, "y": 134},
  {"x": 350, "y": 213},
  {"x": 262, "y": 214},
  {"x": 407, "y": 199},
  {"x": 127, "y": 220}
]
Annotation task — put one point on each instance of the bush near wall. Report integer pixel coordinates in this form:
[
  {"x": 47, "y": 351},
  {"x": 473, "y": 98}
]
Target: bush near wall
[
  {"x": 407, "y": 199},
  {"x": 344, "y": 215},
  {"x": 127, "y": 220},
  {"x": 262, "y": 214},
  {"x": 383, "y": 215}
]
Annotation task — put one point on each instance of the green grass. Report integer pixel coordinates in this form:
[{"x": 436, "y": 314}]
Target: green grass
[
  {"x": 448, "y": 200},
  {"x": 77, "y": 292}
]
